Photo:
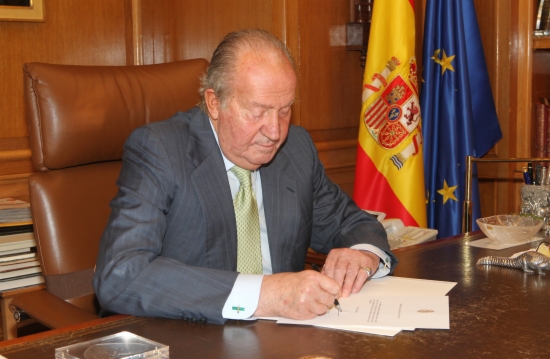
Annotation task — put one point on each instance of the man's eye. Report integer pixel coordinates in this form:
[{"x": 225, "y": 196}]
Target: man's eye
[
  {"x": 284, "y": 112},
  {"x": 258, "y": 114}
]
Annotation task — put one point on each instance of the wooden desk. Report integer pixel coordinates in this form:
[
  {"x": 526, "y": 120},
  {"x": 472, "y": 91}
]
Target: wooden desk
[{"x": 495, "y": 313}]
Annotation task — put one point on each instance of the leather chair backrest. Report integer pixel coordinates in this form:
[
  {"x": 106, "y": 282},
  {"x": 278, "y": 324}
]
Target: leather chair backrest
[{"x": 79, "y": 118}]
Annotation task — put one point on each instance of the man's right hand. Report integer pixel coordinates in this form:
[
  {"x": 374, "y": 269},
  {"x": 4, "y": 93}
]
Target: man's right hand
[{"x": 302, "y": 295}]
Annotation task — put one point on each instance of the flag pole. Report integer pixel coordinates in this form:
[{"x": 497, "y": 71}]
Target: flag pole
[{"x": 467, "y": 208}]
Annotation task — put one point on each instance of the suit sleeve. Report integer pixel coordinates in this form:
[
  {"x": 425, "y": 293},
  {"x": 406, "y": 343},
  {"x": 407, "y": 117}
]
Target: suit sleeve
[
  {"x": 132, "y": 276},
  {"x": 337, "y": 221}
]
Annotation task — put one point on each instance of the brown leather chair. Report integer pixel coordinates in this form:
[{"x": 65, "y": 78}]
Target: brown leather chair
[{"x": 79, "y": 118}]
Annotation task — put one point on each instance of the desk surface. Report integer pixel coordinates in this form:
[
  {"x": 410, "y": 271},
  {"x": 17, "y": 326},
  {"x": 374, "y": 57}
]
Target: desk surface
[{"x": 494, "y": 312}]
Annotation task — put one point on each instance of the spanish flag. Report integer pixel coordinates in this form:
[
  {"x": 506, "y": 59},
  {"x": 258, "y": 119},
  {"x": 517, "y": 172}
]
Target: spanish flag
[{"x": 389, "y": 176}]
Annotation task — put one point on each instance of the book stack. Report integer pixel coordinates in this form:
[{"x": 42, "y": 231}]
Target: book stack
[{"x": 19, "y": 265}]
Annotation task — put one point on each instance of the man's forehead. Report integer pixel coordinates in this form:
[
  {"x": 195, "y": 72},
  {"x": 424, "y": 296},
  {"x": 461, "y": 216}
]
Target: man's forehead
[{"x": 263, "y": 60}]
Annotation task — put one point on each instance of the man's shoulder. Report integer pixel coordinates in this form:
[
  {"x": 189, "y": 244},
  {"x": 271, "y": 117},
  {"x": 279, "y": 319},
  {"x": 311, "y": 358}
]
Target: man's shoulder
[
  {"x": 180, "y": 119},
  {"x": 173, "y": 131},
  {"x": 177, "y": 126}
]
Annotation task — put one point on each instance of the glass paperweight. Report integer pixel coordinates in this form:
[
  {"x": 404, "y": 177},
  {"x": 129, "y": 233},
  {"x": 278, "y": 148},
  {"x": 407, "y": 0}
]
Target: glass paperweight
[{"x": 123, "y": 345}]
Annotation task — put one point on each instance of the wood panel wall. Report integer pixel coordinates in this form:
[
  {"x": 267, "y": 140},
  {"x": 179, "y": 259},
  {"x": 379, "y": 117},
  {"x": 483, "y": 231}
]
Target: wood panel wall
[
  {"x": 105, "y": 32},
  {"x": 506, "y": 28},
  {"x": 495, "y": 180},
  {"x": 330, "y": 92}
]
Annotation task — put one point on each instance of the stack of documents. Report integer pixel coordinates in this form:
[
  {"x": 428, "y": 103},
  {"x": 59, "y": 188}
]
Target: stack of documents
[
  {"x": 385, "y": 306},
  {"x": 19, "y": 265}
]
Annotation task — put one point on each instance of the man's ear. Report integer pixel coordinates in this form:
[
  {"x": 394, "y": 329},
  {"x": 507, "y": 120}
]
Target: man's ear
[{"x": 212, "y": 103}]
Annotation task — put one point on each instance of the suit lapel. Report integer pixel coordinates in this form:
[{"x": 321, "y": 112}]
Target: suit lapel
[
  {"x": 212, "y": 189},
  {"x": 281, "y": 210}
]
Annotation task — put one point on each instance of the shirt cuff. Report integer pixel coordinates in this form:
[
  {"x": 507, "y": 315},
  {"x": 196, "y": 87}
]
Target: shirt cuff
[
  {"x": 385, "y": 262},
  {"x": 244, "y": 297}
]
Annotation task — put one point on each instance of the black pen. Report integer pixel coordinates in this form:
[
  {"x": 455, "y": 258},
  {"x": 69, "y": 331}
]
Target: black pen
[{"x": 336, "y": 303}]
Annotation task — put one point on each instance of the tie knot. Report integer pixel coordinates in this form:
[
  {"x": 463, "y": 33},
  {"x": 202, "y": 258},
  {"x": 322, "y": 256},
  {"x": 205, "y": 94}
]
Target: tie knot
[{"x": 243, "y": 175}]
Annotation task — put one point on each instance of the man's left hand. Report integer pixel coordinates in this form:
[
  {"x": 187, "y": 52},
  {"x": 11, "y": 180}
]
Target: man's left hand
[{"x": 346, "y": 265}]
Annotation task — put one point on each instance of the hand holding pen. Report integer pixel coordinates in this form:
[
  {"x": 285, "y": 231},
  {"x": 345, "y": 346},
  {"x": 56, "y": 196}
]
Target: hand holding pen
[
  {"x": 300, "y": 295},
  {"x": 336, "y": 303}
]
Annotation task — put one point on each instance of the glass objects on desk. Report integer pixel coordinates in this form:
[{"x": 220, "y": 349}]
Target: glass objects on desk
[
  {"x": 535, "y": 201},
  {"x": 510, "y": 229},
  {"x": 123, "y": 345}
]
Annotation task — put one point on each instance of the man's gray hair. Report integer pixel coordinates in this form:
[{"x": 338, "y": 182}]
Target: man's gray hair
[{"x": 220, "y": 73}]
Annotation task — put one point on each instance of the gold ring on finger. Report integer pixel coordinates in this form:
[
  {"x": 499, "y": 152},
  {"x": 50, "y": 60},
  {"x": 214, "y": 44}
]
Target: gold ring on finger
[{"x": 367, "y": 270}]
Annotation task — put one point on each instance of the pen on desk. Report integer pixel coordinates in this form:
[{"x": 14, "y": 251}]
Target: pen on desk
[{"x": 336, "y": 303}]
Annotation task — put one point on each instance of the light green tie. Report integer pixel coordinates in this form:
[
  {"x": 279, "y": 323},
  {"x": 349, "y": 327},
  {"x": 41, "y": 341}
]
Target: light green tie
[{"x": 249, "y": 252}]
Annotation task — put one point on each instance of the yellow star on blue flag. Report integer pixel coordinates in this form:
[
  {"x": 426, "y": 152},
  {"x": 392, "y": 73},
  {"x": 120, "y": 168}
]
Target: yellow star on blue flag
[
  {"x": 445, "y": 61},
  {"x": 447, "y": 192}
]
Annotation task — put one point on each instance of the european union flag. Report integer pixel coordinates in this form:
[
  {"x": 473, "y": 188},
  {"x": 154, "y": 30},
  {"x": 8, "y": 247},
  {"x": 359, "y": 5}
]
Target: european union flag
[{"x": 458, "y": 111}]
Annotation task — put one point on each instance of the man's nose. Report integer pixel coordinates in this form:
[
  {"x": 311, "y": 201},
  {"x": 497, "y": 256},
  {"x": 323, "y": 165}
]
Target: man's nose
[{"x": 271, "y": 128}]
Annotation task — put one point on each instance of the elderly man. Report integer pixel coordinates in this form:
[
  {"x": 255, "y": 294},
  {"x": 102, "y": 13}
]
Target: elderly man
[{"x": 218, "y": 206}]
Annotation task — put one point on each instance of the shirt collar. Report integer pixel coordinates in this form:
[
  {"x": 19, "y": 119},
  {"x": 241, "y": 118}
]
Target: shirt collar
[{"x": 228, "y": 164}]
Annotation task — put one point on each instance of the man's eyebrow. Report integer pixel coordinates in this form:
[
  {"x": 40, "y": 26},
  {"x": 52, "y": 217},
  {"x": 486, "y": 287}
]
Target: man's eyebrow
[{"x": 257, "y": 104}]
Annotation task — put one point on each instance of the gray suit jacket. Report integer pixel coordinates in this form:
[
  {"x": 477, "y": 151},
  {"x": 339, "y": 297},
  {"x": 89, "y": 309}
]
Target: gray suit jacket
[{"x": 170, "y": 246}]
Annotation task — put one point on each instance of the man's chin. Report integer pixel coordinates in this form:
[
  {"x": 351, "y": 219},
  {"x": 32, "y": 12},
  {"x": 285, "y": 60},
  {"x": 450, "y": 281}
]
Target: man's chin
[{"x": 262, "y": 159}]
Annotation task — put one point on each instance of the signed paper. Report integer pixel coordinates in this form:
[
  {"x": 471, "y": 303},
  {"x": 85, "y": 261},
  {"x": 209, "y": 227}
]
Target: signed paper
[
  {"x": 385, "y": 306},
  {"x": 430, "y": 312}
]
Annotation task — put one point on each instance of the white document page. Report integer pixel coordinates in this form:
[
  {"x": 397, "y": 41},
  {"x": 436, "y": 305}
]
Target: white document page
[
  {"x": 404, "y": 286},
  {"x": 386, "y": 311}
]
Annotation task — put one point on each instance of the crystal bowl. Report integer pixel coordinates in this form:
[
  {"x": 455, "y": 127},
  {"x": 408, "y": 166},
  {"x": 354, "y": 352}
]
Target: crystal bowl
[{"x": 509, "y": 228}]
